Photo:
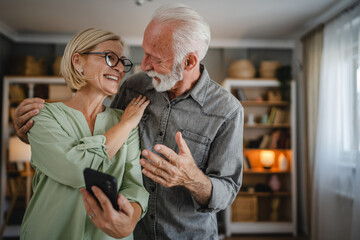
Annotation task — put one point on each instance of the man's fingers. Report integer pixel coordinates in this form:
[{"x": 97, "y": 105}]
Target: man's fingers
[
  {"x": 31, "y": 101},
  {"x": 28, "y": 105},
  {"x": 156, "y": 170},
  {"x": 155, "y": 178},
  {"x": 167, "y": 152},
  {"x": 24, "y": 118},
  {"x": 158, "y": 165},
  {"x": 183, "y": 147},
  {"x": 22, "y": 132}
]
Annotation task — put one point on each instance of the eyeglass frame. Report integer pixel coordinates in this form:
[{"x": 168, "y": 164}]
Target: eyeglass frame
[{"x": 117, "y": 62}]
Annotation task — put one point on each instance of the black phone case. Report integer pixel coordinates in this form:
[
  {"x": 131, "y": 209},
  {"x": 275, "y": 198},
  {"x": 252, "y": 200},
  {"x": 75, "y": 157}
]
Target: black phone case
[{"x": 106, "y": 182}]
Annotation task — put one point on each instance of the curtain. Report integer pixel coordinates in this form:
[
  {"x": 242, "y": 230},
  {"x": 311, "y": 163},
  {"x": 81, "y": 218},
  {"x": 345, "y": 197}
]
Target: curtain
[
  {"x": 336, "y": 188},
  {"x": 312, "y": 56}
]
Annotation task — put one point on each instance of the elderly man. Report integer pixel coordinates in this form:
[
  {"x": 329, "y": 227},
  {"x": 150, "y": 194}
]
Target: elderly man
[{"x": 191, "y": 134}]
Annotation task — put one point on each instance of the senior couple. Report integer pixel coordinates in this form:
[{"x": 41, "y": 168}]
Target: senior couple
[{"x": 176, "y": 149}]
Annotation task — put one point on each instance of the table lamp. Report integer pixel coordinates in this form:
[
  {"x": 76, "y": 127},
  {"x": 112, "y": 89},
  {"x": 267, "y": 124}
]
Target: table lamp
[
  {"x": 267, "y": 158},
  {"x": 20, "y": 153}
]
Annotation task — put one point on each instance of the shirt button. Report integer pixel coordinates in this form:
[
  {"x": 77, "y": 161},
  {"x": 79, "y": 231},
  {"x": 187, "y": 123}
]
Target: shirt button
[
  {"x": 152, "y": 189},
  {"x": 152, "y": 216},
  {"x": 161, "y": 133}
]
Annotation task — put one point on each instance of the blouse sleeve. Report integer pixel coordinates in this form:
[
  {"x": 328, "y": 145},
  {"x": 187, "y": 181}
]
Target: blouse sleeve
[
  {"x": 132, "y": 186},
  {"x": 62, "y": 157}
]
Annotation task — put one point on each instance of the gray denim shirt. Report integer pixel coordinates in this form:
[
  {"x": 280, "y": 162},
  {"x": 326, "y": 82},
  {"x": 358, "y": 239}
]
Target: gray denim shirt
[{"x": 211, "y": 122}]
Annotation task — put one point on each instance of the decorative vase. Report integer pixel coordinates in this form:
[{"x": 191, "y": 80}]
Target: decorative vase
[
  {"x": 283, "y": 165},
  {"x": 274, "y": 183},
  {"x": 251, "y": 119}
]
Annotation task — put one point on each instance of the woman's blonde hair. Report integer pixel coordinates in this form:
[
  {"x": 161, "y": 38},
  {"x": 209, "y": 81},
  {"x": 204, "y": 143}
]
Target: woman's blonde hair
[{"x": 83, "y": 41}]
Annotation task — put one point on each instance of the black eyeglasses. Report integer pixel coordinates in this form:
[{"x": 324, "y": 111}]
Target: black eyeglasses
[{"x": 112, "y": 60}]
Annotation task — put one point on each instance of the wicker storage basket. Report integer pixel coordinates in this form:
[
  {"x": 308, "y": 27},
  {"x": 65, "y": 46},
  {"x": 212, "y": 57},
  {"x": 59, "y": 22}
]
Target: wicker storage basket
[
  {"x": 241, "y": 69},
  {"x": 28, "y": 66},
  {"x": 268, "y": 68},
  {"x": 244, "y": 209}
]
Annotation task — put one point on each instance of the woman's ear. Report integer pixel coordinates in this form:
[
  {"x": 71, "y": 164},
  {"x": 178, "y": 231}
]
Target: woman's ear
[
  {"x": 191, "y": 61},
  {"x": 76, "y": 61}
]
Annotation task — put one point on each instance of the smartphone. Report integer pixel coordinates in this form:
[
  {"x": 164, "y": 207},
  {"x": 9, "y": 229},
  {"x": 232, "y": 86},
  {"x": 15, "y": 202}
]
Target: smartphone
[{"x": 106, "y": 182}]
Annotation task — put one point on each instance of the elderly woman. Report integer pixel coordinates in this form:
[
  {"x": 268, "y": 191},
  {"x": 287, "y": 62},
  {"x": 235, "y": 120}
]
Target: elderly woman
[{"x": 79, "y": 133}]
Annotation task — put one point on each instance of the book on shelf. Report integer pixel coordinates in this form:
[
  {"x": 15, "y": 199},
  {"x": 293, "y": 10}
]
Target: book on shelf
[
  {"x": 272, "y": 115},
  {"x": 279, "y": 116},
  {"x": 265, "y": 142},
  {"x": 278, "y": 139},
  {"x": 247, "y": 164},
  {"x": 240, "y": 94},
  {"x": 274, "y": 139},
  {"x": 286, "y": 117},
  {"x": 284, "y": 140}
]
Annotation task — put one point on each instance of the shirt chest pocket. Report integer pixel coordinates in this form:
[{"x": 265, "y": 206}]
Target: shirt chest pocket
[{"x": 198, "y": 146}]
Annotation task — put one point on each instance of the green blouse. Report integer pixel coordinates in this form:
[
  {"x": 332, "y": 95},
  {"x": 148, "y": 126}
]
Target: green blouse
[{"x": 62, "y": 146}]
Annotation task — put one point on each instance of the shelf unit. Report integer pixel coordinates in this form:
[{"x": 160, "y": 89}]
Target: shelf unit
[
  {"x": 30, "y": 83},
  {"x": 261, "y": 221}
]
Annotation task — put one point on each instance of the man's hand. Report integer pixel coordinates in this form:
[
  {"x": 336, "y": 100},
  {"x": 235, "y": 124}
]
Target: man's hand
[
  {"x": 23, "y": 113},
  {"x": 180, "y": 170},
  {"x": 117, "y": 224}
]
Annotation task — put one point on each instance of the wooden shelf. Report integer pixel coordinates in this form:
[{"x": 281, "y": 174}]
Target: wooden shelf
[
  {"x": 265, "y": 194},
  {"x": 266, "y": 171},
  {"x": 249, "y": 103},
  {"x": 262, "y": 227},
  {"x": 258, "y": 149},
  {"x": 252, "y": 212},
  {"x": 260, "y": 125}
]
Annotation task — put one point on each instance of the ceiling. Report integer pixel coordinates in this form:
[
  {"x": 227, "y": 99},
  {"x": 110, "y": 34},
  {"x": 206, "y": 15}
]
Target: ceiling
[{"x": 231, "y": 21}]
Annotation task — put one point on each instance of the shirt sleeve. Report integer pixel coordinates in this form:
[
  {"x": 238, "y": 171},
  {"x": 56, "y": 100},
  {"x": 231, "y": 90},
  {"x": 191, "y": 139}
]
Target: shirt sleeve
[
  {"x": 225, "y": 164},
  {"x": 62, "y": 157},
  {"x": 132, "y": 186}
]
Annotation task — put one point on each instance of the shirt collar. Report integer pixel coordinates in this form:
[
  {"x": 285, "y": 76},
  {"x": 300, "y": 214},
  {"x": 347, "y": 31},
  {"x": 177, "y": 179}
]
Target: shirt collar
[{"x": 199, "y": 91}]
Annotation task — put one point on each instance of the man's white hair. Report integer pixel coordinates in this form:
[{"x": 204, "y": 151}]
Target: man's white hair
[{"x": 191, "y": 34}]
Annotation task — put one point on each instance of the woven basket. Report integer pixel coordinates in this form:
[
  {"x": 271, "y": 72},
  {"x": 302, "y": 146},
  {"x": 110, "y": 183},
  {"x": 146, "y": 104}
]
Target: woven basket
[
  {"x": 241, "y": 69},
  {"x": 28, "y": 66},
  {"x": 268, "y": 69},
  {"x": 244, "y": 209}
]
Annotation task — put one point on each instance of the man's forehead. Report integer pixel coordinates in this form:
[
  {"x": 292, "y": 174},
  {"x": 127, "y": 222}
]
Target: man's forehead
[{"x": 158, "y": 41}]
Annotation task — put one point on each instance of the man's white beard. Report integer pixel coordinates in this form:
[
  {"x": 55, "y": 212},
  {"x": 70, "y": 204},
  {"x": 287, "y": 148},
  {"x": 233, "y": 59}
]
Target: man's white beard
[{"x": 167, "y": 81}]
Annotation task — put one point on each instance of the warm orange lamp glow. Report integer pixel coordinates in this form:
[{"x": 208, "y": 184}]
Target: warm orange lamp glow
[
  {"x": 267, "y": 158},
  {"x": 20, "y": 152}
]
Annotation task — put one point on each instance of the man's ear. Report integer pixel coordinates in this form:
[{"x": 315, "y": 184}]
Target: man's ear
[
  {"x": 191, "y": 61},
  {"x": 76, "y": 61}
]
